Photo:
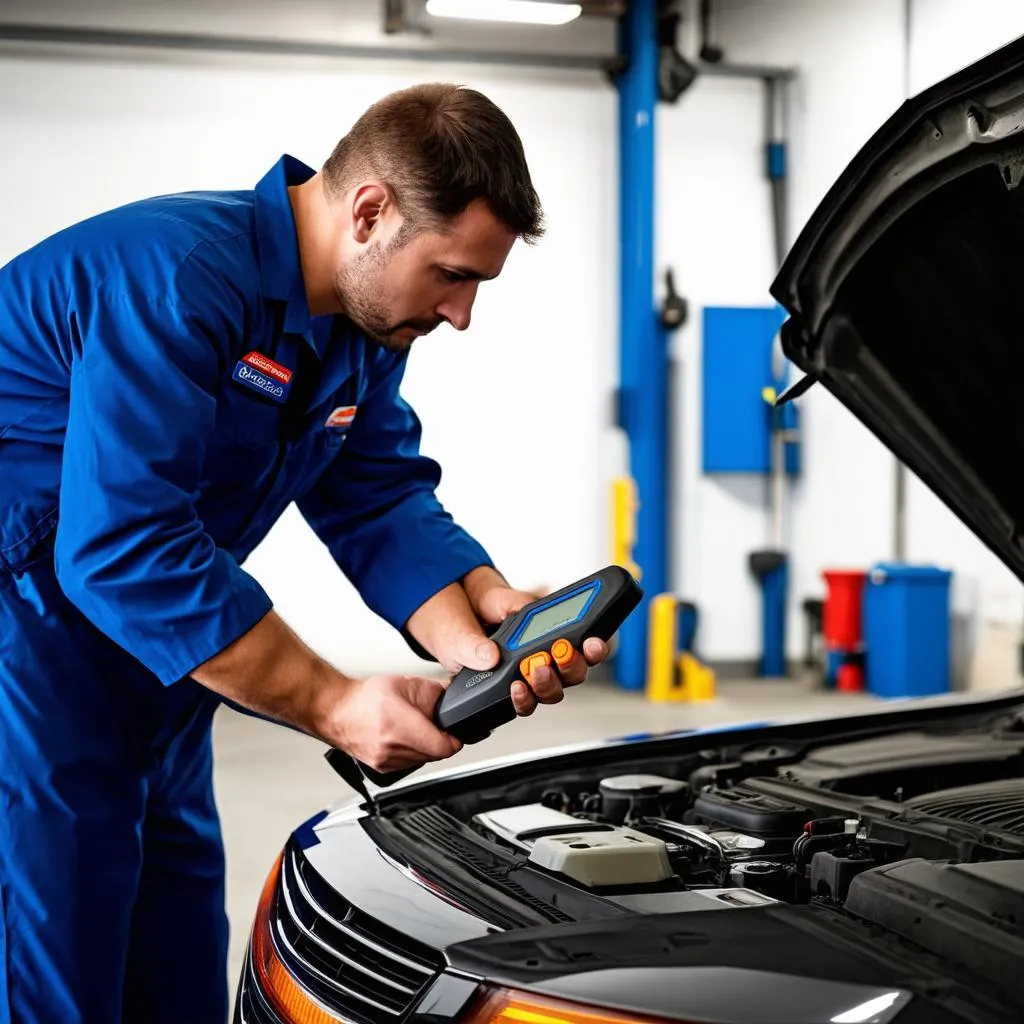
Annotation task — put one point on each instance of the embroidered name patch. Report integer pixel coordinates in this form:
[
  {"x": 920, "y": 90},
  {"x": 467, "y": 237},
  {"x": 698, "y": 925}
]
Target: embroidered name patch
[
  {"x": 263, "y": 375},
  {"x": 341, "y": 418}
]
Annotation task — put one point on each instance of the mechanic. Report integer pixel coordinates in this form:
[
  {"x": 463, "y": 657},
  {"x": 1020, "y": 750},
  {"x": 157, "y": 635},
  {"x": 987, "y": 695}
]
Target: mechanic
[{"x": 173, "y": 374}]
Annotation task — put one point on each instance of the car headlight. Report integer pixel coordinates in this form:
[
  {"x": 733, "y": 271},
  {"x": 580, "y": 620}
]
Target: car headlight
[{"x": 508, "y": 1006}]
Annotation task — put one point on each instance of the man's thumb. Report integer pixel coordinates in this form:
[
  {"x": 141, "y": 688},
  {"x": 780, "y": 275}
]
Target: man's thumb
[{"x": 476, "y": 652}]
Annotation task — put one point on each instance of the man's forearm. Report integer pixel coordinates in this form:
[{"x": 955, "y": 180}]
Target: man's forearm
[{"x": 269, "y": 670}]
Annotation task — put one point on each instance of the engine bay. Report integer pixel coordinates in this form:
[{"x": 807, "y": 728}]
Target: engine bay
[
  {"x": 775, "y": 823},
  {"x": 915, "y": 834}
]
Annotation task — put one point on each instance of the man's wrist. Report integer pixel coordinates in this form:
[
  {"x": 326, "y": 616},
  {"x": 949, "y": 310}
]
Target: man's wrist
[
  {"x": 328, "y": 705},
  {"x": 478, "y": 581},
  {"x": 447, "y": 614}
]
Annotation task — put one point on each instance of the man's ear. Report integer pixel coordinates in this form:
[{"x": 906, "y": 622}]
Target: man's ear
[{"x": 368, "y": 207}]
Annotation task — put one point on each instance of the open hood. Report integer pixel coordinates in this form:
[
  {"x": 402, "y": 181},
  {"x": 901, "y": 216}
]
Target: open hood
[{"x": 906, "y": 293}]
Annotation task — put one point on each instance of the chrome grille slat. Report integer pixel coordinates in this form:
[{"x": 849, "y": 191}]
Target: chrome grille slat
[
  {"x": 355, "y": 935},
  {"x": 359, "y": 969},
  {"x": 405, "y": 990},
  {"x": 306, "y": 966}
]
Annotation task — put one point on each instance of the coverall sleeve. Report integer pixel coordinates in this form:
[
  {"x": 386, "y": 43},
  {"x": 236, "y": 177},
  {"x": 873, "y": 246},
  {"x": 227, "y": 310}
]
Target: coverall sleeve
[
  {"x": 376, "y": 509},
  {"x": 130, "y": 550}
]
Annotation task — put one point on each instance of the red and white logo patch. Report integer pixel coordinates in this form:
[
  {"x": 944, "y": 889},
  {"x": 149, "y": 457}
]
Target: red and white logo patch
[
  {"x": 342, "y": 417},
  {"x": 260, "y": 362}
]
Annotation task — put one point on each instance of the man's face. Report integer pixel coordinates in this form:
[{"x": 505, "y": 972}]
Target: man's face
[{"x": 399, "y": 288}]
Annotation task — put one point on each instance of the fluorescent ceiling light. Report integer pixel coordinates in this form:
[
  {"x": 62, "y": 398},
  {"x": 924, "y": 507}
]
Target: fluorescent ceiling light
[
  {"x": 523, "y": 12},
  {"x": 870, "y": 1012}
]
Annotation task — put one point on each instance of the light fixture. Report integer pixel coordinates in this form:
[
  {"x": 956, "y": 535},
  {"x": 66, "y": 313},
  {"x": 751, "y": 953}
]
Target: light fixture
[
  {"x": 523, "y": 12},
  {"x": 873, "y": 1011}
]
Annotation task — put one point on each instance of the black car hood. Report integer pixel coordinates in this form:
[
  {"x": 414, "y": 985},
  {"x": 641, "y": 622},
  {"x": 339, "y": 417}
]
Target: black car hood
[{"x": 906, "y": 293}]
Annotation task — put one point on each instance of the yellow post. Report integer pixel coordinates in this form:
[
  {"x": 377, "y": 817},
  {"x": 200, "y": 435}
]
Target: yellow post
[
  {"x": 661, "y": 649},
  {"x": 673, "y": 675},
  {"x": 624, "y": 509},
  {"x": 698, "y": 679}
]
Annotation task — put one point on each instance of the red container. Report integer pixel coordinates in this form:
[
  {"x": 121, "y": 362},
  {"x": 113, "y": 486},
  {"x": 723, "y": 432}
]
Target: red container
[
  {"x": 841, "y": 615},
  {"x": 850, "y": 678}
]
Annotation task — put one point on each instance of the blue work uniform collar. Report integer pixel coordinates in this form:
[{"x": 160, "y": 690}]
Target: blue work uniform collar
[{"x": 278, "y": 246}]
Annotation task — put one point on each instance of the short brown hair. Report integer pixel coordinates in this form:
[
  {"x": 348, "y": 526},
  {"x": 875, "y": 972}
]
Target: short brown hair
[{"x": 439, "y": 147}]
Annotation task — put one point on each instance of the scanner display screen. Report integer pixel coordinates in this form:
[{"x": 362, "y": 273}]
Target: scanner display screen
[{"x": 554, "y": 617}]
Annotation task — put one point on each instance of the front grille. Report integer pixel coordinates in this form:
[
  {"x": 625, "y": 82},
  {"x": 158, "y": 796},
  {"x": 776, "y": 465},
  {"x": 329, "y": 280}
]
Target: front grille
[
  {"x": 995, "y": 805},
  {"x": 351, "y": 962}
]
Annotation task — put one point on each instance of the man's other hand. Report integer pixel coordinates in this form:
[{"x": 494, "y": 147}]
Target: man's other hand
[
  {"x": 387, "y": 722},
  {"x": 493, "y": 600}
]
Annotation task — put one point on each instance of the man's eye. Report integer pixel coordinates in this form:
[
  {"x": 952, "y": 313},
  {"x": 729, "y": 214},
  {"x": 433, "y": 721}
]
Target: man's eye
[{"x": 451, "y": 275}]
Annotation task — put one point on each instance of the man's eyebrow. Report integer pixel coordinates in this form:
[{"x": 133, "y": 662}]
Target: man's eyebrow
[{"x": 469, "y": 272}]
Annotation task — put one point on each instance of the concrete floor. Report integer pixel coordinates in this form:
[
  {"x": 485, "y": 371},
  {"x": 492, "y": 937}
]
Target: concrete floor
[{"x": 270, "y": 779}]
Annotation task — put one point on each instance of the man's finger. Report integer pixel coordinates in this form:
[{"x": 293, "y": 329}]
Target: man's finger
[
  {"x": 428, "y": 741},
  {"x": 594, "y": 650},
  {"x": 523, "y": 699},
  {"x": 572, "y": 666},
  {"x": 416, "y": 721},
  {"x": 546, "y": 685}
]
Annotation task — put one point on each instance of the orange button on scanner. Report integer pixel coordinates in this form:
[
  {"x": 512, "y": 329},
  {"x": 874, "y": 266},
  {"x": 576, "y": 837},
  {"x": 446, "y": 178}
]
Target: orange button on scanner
[
  {"x": 532, "y": 663},
  {"x": 563, "y": 653}
]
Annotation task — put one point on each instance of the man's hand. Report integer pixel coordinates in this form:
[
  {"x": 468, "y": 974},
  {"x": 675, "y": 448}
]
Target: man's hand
[
  {"x": 448, "y": 625},
  {"x": 386, "y": 722}
]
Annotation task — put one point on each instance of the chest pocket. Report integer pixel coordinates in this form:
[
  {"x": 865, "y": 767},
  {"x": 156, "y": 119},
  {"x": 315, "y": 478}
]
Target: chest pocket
[
  {"x": 244, "y": 450},
  {"x": 333, "y": 417},
  {"x": 246, "y": 419}
]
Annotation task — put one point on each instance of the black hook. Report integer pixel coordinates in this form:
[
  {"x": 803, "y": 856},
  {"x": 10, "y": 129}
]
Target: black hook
[{"x": 674, "y": 310}]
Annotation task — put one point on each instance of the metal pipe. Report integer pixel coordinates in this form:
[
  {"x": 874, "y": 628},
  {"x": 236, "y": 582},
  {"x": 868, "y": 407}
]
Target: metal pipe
[
  {"x": 899, "y": 497},
  {"x": 84, "y": 35},
  {"x": 761, "y": 71},
  {"x": 64, "y": 35},
  {"x": 775, "y": 159},
  {"x": 643, "y": 362},
  {"x": 690, "y": 834},
  {"x": 778, "y": 473}
]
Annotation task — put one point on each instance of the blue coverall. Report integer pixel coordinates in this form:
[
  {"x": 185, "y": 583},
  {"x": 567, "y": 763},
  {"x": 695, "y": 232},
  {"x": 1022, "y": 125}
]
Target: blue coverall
[{"x": 142, "y": 458}]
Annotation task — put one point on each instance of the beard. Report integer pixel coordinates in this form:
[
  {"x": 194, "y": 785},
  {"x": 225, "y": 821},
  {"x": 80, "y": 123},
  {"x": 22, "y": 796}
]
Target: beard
[{"x": 360, "y": 287}]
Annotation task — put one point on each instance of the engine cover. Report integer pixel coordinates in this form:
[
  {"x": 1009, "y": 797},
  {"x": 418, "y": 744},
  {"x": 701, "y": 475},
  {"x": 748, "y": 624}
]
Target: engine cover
[
  {"x": 907, "y": 762},
  {"x": 996, "y": 806},
  {"x": 970, "y": 913},
  {"x": 751, "y": 812}
]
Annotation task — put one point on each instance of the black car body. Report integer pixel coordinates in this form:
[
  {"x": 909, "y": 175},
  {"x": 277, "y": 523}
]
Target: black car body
[{"x": 866, "y": 869}]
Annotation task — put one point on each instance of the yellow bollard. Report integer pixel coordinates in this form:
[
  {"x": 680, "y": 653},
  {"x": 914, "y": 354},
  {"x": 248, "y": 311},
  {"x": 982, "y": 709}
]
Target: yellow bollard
[
  {"x": 698, "y": 679},
  {"x": 624, "y": 508},
  {"x": 662, "y": 680},
  {"x": 673, "y": 675}
]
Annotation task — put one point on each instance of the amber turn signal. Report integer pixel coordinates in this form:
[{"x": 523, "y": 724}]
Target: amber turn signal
[
  {"x": 507, "y": 1006},
  {"x": 292, "y": 1003}
]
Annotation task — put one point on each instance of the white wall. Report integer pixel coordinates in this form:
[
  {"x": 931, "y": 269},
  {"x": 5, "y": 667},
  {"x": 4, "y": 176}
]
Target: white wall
[
  {"x": 714, "y": 225},
  {"x": 529, "y": 380},
  {"x": 84, "y": 132}
]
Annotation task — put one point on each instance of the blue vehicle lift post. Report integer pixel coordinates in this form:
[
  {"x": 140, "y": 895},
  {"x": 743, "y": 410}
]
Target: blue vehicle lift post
[
  {"x": 644, "y": 357},
  {"x": 652, "y": 70}
]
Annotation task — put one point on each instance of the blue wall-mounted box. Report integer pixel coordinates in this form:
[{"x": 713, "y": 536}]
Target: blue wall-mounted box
[{"x": 737, "y": 367}]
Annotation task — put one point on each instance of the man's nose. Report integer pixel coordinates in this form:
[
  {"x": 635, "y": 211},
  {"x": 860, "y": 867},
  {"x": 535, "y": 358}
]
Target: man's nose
[{"x": 457, "y": 309}]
